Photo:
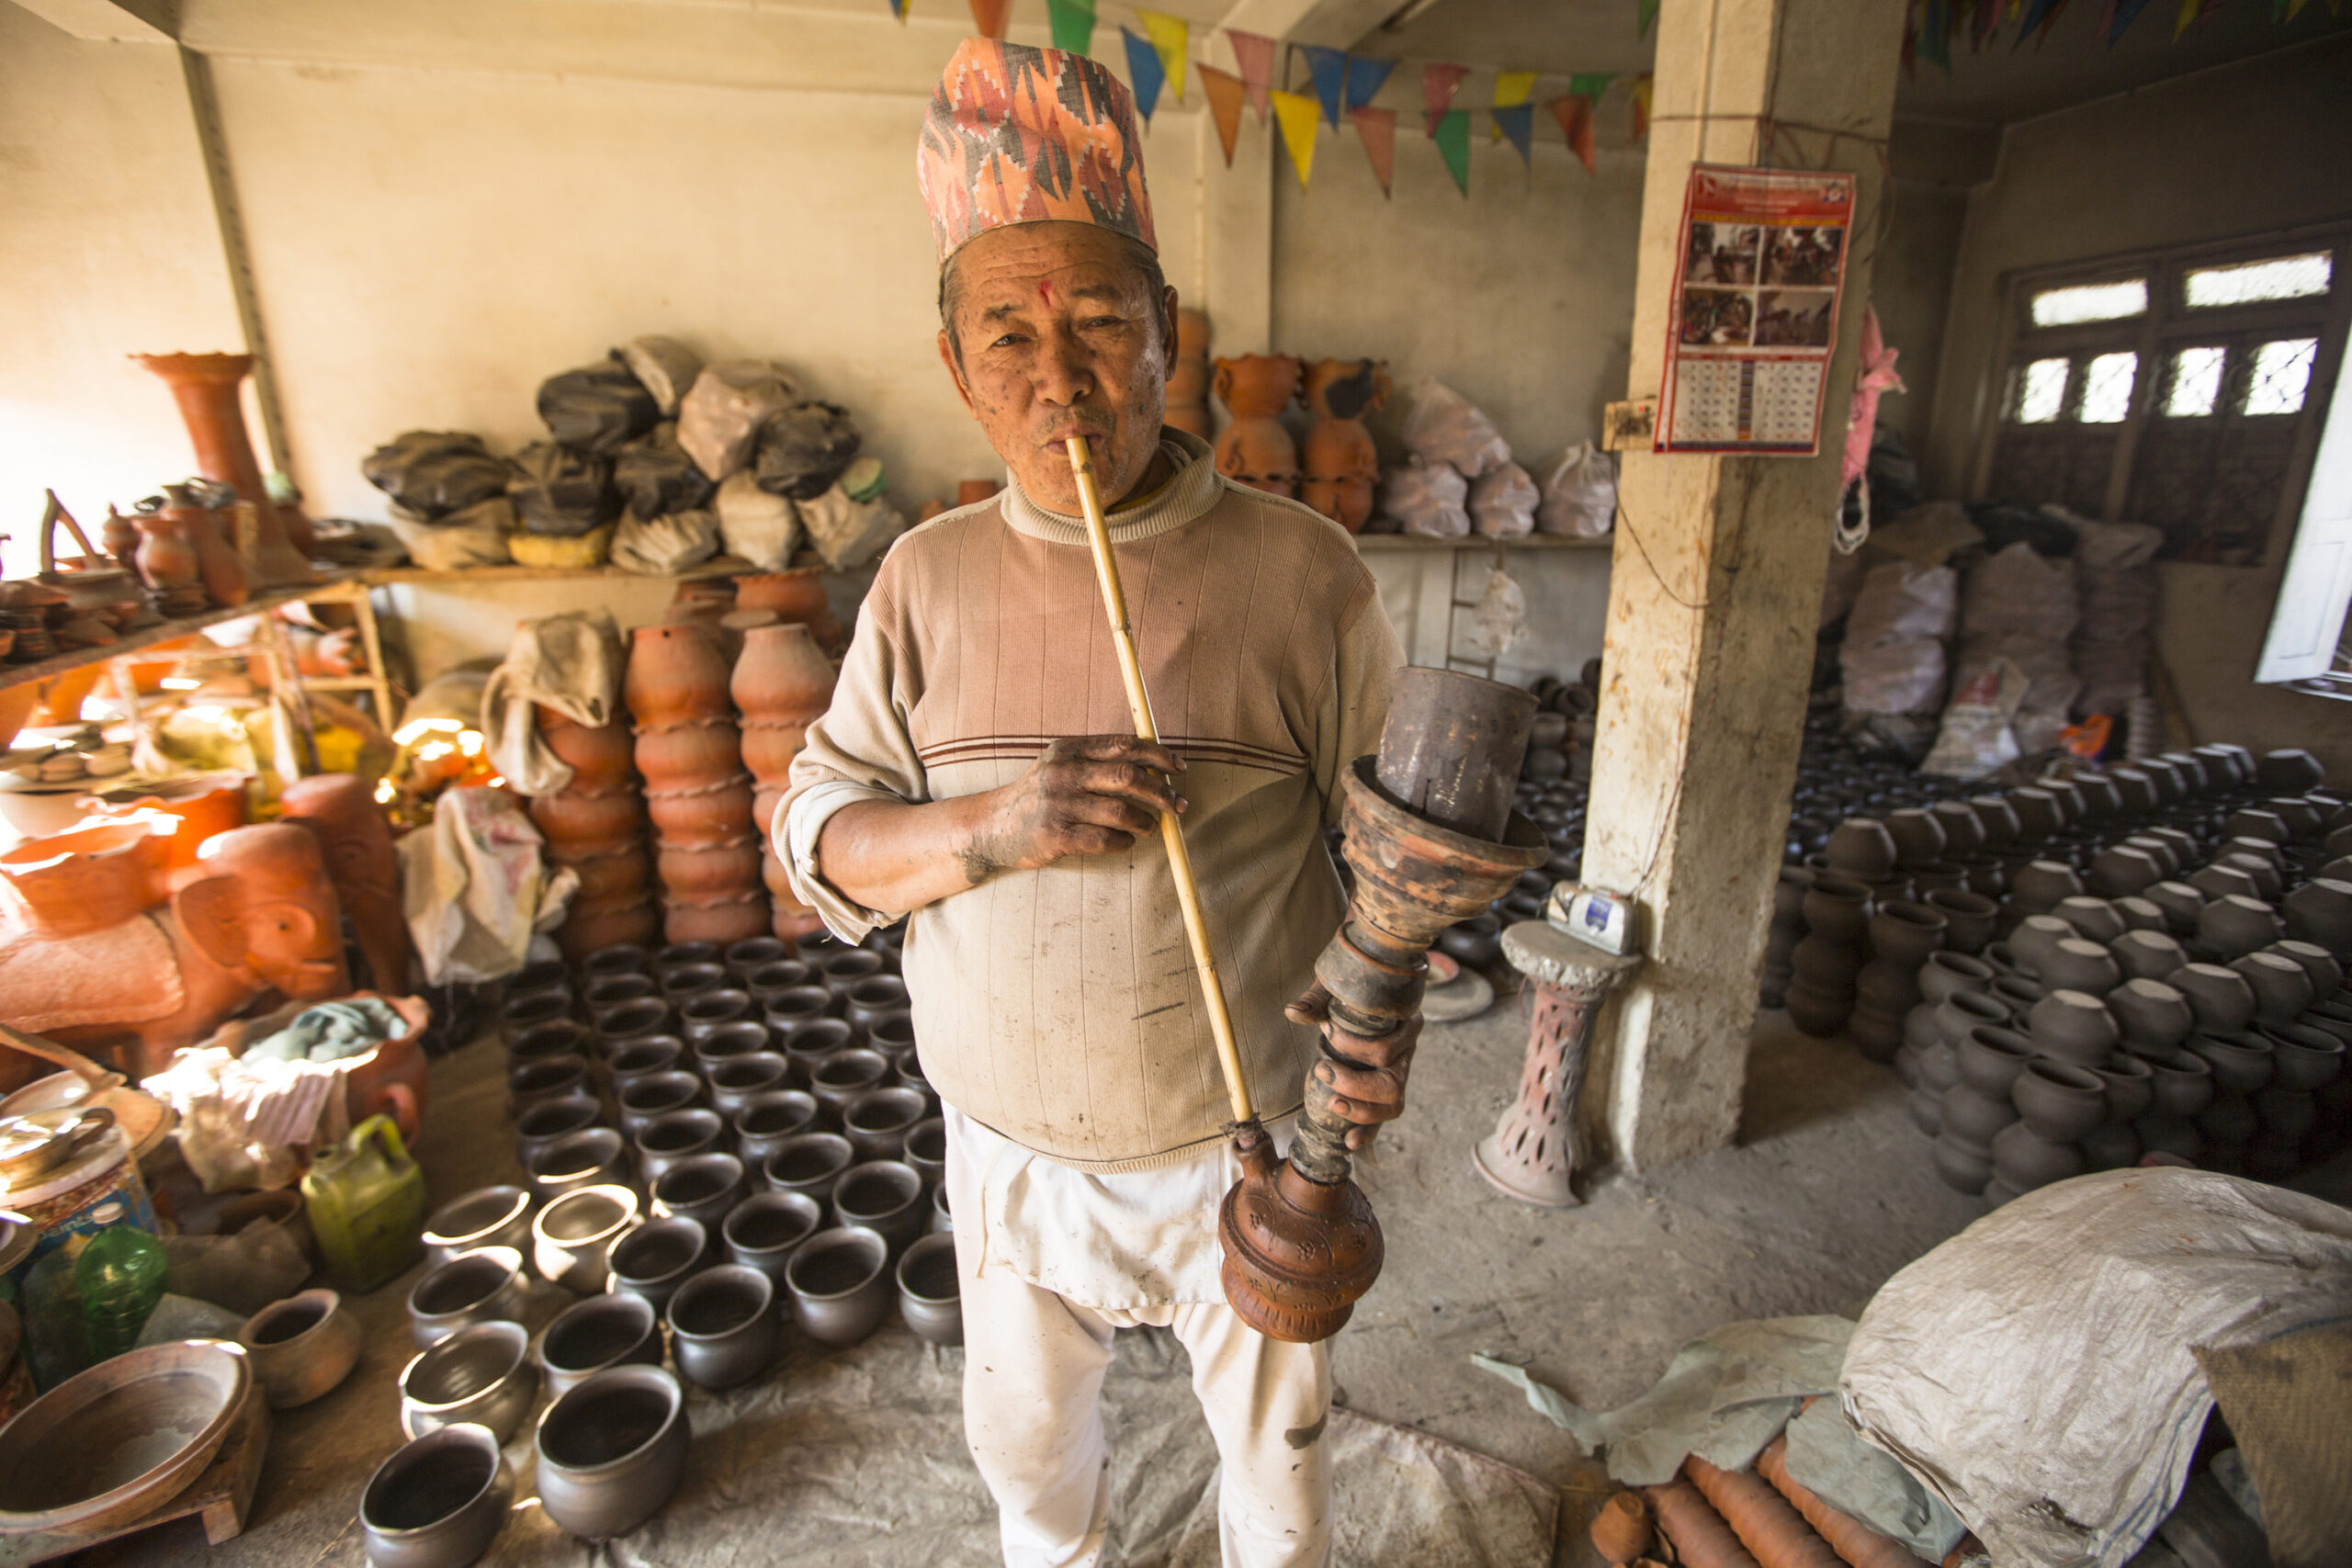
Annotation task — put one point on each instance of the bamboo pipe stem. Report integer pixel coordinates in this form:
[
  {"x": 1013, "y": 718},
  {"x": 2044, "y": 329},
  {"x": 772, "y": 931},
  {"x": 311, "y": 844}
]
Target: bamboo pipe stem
[{"x": 1171, "y": 832}]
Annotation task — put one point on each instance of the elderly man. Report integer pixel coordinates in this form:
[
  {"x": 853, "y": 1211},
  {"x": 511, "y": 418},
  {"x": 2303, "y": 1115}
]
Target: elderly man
[{"x": 978, "y": 776}]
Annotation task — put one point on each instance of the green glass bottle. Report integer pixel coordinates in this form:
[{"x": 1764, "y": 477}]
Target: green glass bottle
[{"x": 120, "y": 1277}]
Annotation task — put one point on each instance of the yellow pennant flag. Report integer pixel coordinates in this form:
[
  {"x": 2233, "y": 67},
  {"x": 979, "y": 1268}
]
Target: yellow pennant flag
[
  {"x": 1169, "y": 38},
  {"x": 1296, "y": 113},
  {"x": 1512, "y": 88}
]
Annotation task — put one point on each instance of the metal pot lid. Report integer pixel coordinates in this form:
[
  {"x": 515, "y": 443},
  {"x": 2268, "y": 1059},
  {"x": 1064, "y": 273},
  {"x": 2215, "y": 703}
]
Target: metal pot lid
[{"x": 32, "y": 1146}]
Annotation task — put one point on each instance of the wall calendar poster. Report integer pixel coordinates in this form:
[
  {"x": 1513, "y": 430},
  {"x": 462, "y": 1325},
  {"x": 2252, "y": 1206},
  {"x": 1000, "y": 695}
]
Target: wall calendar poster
[{"x": 1755, "y": 310}]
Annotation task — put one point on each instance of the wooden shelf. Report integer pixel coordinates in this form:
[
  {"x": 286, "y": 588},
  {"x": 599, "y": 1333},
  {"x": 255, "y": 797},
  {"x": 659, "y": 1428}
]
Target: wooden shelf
[
  {"x": 718, "y": 566},
  {"x": 1382, "y": 544},
  {"x": 169, "y": 631}
]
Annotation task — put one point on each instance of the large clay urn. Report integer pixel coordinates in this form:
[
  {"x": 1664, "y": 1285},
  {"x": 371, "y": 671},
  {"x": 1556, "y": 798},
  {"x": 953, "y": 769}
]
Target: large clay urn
[
  {"x": 206, "y": 388},
  {"x": 1343, "y": 464},
  {"x": 794, "y": 595},
  {"x": 782, "y": 684},
  {"x": 675, "y": 676},
  {"x": 341, "y": 810},
  {"x": 1255, "y": 449}
]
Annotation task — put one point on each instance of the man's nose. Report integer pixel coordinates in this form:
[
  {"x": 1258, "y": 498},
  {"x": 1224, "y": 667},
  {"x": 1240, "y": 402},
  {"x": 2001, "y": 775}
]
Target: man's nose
[{"x": 1065, "y": 371}]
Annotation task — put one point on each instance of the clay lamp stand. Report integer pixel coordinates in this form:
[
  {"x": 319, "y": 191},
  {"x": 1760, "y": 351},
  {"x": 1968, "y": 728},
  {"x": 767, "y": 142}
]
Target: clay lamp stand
[
  {"x": 206, "y": 388},
  {"x": 1531, "y": 1153}
]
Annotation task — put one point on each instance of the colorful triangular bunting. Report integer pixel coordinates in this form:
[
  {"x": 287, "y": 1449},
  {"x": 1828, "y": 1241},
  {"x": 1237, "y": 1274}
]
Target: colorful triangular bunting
[
  {"x": 1254, "y": 53},
  {"x": 1647, "y": 18},
  {"x": 1518, "y": 122},
  {"x": 1073, "y": 24},
  {"x": 898, "y": 9},
  {"x": 1366, "y": 76},
  {"x": 2192, "y": 11},
  {"x": 1328, "y": 67},
  {"x": 1644, "y": 85},
  {"x": 2122, "y": 14},
  {"x": 1574, "y": 114},
  {"x": 2038, "y": 15},
  {"x": 990, "y": 17},
  {"x": 1453, "y": 139},
  {"x": 1224, "y": 92},
  {"x": 1171, "y": 37},
  {"x": 1439, "y": 83},
  {"x": 1377, "y": 127},
  {"x": 1144, "y": 72},
  {"x": 1591, "y": 84},
  {"x": 1512, "y": 90},
  {"x": 1295, "y": 113}
]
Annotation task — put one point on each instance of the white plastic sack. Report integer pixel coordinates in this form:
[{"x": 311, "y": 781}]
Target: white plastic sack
[
  {"x": 1427, "y": 498},
  {"x": 1503, "y": 502},
  {"x": 473, "y": 886},
  {"x": 666, "y": 367},
  {"x": 1976, "y": 737},
  {"x": 1499, "y": 619},
  {"x": 720, "y": 419},
  {"x": 1445, "y": 427},
  {"x": 2036, "y": 1369},
  {"x": 658, "y": 547},
  {"x": 1579, "y": 493},
  {"x": 1892, "y": 660},
  {"x": 849, "y": 533},
  {"x": 570, "y": 662},
  {"x": 761, "y": 528}
]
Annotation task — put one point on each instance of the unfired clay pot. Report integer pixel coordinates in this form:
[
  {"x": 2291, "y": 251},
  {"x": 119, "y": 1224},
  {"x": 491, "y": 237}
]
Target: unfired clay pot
[
  {"x": 1342, "y": 466},
  {"x": 1255, "y": 449},
  {"x": 676, "y": 676},
  {"x": 612, "y": 1451},
  {"x": 205, "y": 388}
]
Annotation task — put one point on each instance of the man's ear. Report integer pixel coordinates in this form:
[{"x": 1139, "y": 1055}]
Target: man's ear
[
  {"x": 1168, "y": 326},
  {"x": 955, "y": 371}
]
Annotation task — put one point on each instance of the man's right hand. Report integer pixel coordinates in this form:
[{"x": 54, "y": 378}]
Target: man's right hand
[{"x": 1085, "y": 795}]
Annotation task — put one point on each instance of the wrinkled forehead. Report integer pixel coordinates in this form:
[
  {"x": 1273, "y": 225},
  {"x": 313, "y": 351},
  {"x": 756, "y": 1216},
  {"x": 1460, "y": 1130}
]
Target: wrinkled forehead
[{"x": 1050, "y": 266}]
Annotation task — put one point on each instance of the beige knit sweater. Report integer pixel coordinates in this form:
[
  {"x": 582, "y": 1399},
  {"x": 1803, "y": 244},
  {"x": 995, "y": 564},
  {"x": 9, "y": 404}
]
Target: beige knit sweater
[{"x": 1060, "y": 1007}]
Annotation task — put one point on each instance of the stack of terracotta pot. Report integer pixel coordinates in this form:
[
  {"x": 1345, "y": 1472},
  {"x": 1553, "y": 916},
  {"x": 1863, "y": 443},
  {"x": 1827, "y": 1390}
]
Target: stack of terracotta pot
[
  {"x": 690, "y": 752},
  {"x": 1188, "y": 377},
  {"x": 782, "y": 684},
  {"x": 596, "y": 826}
]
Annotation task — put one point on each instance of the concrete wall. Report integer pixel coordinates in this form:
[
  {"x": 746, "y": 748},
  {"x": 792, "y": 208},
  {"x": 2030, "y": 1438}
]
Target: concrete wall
[{"x": 2240, "y": 151}]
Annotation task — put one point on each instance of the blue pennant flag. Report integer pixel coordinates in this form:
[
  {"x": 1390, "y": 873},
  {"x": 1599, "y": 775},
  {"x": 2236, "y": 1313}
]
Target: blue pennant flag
[
  {"x": 2123, "y": 13},
  {"x": 1518, "y": 122},
  {"x": 1145, "y": 72},
  {"x": 1365, "y": 77},
  {"x": 1329, "y": 69}
]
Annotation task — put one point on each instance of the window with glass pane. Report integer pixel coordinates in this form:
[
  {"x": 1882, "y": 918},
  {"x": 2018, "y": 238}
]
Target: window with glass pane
[
  {"x": 2282, "y": 371},
  {"x": 2281, "y": 277},
  {"x": 2195, "y": 388},
  {"x": 2106, "y": 388},
  {"x": 2043, "y": 392},
  {"x": 2090, "y": 302}
]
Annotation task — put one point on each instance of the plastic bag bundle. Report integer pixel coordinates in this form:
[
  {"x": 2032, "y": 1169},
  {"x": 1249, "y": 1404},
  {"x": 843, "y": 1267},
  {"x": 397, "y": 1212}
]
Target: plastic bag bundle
[
  {"x": 2111, "y": 642},
  {"x": 655, "y": 477},
  {"x": 759, "y": 527},
  {"x": 1580, "y": 494},
  {"x": 665, "y": 366},
  {"x": 561, "y": 491},
  {"x": 598, "y": 408},
  {"x": 2021, "y": 605},
  {"x": 475, "y": 537},
  {"x": 661, "y": 546},
  {"x": 848, "y": 532},
  {"x": 1428, "y": 499},
  {"x": 1503, "y": 502},
  {"x": 721, "y": 417},
  {"x": 804, "y": 449},
  {"x": 1445, "y": 427},
  {"x": 1893, "y": 660},
  {"x": 434, "y": 472}
]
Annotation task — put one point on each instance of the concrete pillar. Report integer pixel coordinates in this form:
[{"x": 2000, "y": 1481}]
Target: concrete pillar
[{"x": 1715, "y": 578}]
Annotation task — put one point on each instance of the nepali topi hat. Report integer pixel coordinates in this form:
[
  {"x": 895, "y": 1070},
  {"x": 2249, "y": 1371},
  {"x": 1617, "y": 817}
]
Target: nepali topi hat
[{"x": 1016, "y": 134}]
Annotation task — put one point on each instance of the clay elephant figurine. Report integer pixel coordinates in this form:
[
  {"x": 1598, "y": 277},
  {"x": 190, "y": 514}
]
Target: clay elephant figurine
[
  {"x": 256, "y": 914},
  {"x": 340, "y": 809}
]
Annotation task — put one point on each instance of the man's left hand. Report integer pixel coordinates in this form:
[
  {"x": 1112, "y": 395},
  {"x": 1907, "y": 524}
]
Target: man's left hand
[{"x": 1369, "y": 1086}]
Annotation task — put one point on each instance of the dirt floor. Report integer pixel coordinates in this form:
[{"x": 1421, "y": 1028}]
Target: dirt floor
[{"x": 1828, "y": 1193}]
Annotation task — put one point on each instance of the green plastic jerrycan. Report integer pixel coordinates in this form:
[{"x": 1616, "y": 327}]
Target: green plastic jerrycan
[{"x": 367, "y": 1206}]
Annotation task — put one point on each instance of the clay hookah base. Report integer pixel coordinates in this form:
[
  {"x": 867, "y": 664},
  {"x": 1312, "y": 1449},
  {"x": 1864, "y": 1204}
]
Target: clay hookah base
[{"x": 1298, "y": 1252}]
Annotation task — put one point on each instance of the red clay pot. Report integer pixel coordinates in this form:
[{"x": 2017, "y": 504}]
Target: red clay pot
[
  {"x": 703, "y": 816},
  {"x": 593, "y": 924},
  {"x": 782, "y": 676},
  {"x": 599, "y": 758},
  {"x": 574, "y": 818},
  {"x": 768, "y": 750},
  {"x": 722, "y": 920},
  {"x": 708, "y": 871},
  {"x": 688, "y": 756},
  {"x": 676, "y": 676}
]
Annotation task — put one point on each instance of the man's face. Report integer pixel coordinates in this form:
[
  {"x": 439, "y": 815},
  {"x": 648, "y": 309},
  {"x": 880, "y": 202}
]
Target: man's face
[{"x": 1060, "y": 336}]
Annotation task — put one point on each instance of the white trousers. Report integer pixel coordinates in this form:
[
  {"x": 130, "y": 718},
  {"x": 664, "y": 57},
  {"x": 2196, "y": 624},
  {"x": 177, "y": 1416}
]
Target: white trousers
[{"x": 1033, "y": 1382}]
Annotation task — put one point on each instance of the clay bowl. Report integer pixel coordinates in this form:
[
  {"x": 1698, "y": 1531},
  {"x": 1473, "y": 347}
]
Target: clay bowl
[
  {"x": 2235, "y": 924},
  {"x": 557, "y": 1037},
  {"x": 765, "y": 1229},
  {"x": 2026, "y": 1160},
  {"x": 604, "y": 992},
  {"x": 612, "y": 1451},
  {"x": 877, "y": 997},
  {"x": 1903, "y": 933},
  {"x": 876, "y": 1122},
  {"x": 654, "y": 1260},
  {"x": 670, "y": 1141},
  {"x": 544, "y": 978},
  {"x": 2241, "y": 1063},
  {"x": 486, "y": 1285},
  {"x": 705, "y": 1012},
  {"x": 483, "y": 1375},
  {"x": 1991, "y": 1058},
  {"x": 840, "y": 972},
  {"x": 2131, "y": 1087},
  {"x": 2218, "y": 882},
  {"x": 2094, "y": 920},
  {"x": 2302, "y": 1058},
  {"x": 745, "y": 958},
  {"x": 1970, "y": 1117},
  {"x": 767, "y": 1121},
  {"x": 2040, "y": 885},
  {"x": 2320, "y": 912},
  {"x": 723, "y": 1326},
  {"x": 637, "y": 1019},
  {"x": 572, "y": 1236},
  {"x": 842, "y": 1076},
  {"x": 544, "y": 1079},
  {"x": 1963, "y": 1011},
  {"x": 597, "y": 1156},
  {"x": 809, "y": 1164},
  {"x": 1970, "y": 919},
  {"x": 546, "y": 1122},
  {"x": 2181, "y": 1081},
  {"x": 2264, "y": 869},
  {"x": 784, "y": 975},
  {"x": 744, "y": 1036},
  {"x": 2152, "y": 1013},
  {"x": 2220, "y": 997},
  {"x": 2073, "y": 1026},
  {"x": 119, "y": 1440},
  {"x": 2076, "y": 965},
  {"x": 600, "y": 1331},
  {"x": 2319, "y": 965},
  {"x": 519, "y": 1014},
  {"x": 701, "y": 1189},
  {"x": 810, "y": 1044},
  {"x": 2281, "y": 988},
  {"x": 2147, "y": 955},
  {"x": 678, "y": 954},
  {"x": 438, "y": 1502},
  {"x": 657, "y": 1095},
  {"x": 1962, "y": 1167},
  {"x": 906, "y": 1072},
  {"x": 2180, "y": 902},
  {"x": 2060, "y": 1102},
  {"x": 684, "y": 981},
  {"x": 942, "y": 1222},
  {"x": 929, "y": 1295},
  {"x": 301, "y": 1348},
  {"x": 882, "y": 1196},
  {"x": 487, "y": 1216},
  {"x": 643, "y": 1057},
  {"x": 840, "y": 1284},
  {"x": 1861, "y": 847},
  {"x": 794, "y": 1006},
  {"x": 2034, "y": 939},
  {"x": 893, "y": 1034},
  {"x": 926, "y": 1150},
  {"x": 736, "y": 1081}
]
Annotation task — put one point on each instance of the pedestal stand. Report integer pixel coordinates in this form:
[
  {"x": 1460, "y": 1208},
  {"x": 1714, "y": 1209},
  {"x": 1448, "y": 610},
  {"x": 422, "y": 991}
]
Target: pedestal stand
[{"x": 1531, "y": 1151}]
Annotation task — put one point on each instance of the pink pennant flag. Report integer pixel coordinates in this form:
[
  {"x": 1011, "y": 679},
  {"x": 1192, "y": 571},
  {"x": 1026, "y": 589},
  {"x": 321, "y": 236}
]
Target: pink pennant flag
[
  {"x": 1255, "y": 53},
  {"x": 1439, "y": 83},
  {"x": 1224, "y": 92},
  {"x": 1377, "y": 129}
]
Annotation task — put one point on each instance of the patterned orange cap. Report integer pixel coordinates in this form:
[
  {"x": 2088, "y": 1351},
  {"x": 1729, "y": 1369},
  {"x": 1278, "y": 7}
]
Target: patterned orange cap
[{"x": 1016, "y": 134}]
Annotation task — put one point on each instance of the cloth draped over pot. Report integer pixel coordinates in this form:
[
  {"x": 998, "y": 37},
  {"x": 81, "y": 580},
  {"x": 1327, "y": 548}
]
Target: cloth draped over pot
[
  {"x": 251, "y": 1123},
  {"x": 474, "y": 886},
  {"x": 570, "y": 662}
]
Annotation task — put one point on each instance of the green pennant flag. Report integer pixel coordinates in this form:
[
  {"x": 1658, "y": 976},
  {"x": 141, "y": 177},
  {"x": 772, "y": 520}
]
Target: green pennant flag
[
  {"x": 1649, "y": 18},
  {"x": 1591, "y": 84},
  {"x": 1073, "y": 24},
  {"x": 1452, "y": 138}
]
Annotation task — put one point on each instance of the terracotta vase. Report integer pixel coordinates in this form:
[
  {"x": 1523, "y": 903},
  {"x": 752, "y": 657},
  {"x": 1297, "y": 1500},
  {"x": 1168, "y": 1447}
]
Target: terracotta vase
[
  {"x": 1255, "y": 449},
  {"x": 222, "y": 574},
  {"x": 86, "y": 878},
  {"x": 768, "y": 750},
  {"x": 206, "y": 388},
  {"x": 599, "y": 756},
  {"x": 782, "y": 676},
  {"x": 676, "y": 676},
  {"x": 1341, "y": 463},
  {"x": 606, "y": 871},
  {"x": 340, "y": 810},
  {"x": 794, "y": 595},
  {"x": 592, "y": 925},
  {"x": 708, "y": 870},
  {"x": 167, "y": 557}
]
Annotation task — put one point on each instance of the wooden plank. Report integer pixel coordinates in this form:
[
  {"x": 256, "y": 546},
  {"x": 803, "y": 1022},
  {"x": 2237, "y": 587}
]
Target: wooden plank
[
  {"x": 221, "y": 1497},
  {"x": 163, "y": 631}
]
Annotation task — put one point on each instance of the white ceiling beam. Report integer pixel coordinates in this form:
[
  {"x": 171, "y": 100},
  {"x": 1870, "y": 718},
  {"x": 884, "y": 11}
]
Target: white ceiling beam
[
  {"x": 1337, "y": 24},
  {"x": 103, "y": 21}
]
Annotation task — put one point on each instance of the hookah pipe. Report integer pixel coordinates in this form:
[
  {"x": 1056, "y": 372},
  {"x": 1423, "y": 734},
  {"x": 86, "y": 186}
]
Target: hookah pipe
[{"x": 1432, "y": 838}]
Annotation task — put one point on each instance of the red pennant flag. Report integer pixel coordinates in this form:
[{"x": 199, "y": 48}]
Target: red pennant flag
[
  {"x": 990, "y": 17},
  {"x": 1224, "y": 92},
  {"x": 1439, "y": 83},
  {"x": 1255, "y": 53},
  {"x": 1574, "y": 112},
  {"x": 1378, "y": 129}
]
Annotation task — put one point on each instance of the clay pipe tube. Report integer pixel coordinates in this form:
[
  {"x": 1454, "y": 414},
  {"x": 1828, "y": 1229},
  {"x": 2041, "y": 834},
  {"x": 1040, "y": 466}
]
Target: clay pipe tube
[
  {"x": 1851, "y": 1540},
  {"x": 1701, "y": 1538},
  {"x": 1171, "y": 832},
  {"x": 1761, "y": 1518}
]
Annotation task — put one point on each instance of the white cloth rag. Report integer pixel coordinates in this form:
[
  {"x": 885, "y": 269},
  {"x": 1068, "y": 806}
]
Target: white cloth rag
[{"x": 570, "y": 662}]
